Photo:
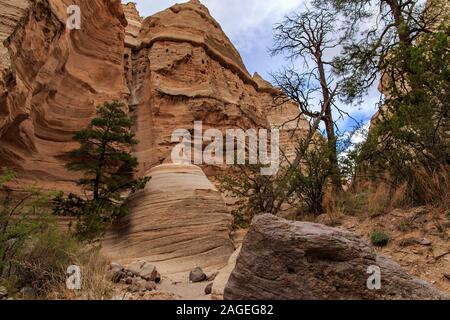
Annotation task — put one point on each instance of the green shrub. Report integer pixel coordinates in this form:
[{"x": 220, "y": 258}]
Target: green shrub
[
  {"x": 43, "y": 263},
  {"x": 298, "y": 187},
  {"x": 34, "y": 251},
  {"x": 379, "y": 239}
]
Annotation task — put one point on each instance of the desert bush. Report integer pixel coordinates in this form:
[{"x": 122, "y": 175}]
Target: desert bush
[
  {"x": 434, "y": 186},
  {"x": 298, "y": 188},
  {"x": 35, "y": 252},
  {"x": 42, "y": 264},
  {"x": 20, "y": 220},
  {"x": 310, "y": 180},
  {"x": 366, "y": 199},
  {"x": 254, "y": 193},
  {"x": 94, "y": 285},
  {"x": 379, "y": 238}
]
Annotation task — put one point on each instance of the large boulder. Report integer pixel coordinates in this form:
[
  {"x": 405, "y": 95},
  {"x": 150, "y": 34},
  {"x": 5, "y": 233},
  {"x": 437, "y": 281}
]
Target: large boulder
[
  {"x": 178, "y": 222},
  {"x": 282, "y": 259}
]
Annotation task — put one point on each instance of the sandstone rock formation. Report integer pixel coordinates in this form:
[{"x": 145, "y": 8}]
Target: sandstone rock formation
[
  {"x": 133, "y": 28},
  {"x": 282, "y": 259},
  {"x": 178, "y": 222},
  {"x": 184, "y": 68},
  {"x": 11, "y": 14},
  {"x": 223, "y": 276},
  {"x": 171, "y": 69},
  {"x": 53, "y": 78}
]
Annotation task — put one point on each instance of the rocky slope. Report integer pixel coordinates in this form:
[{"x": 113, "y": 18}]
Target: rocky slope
[{"x": 418, "y": 240}]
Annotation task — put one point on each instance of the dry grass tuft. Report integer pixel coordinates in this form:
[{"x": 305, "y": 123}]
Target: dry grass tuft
[
  {"x": 434, "y": 187},
  {"x": 94, "y": 285}
]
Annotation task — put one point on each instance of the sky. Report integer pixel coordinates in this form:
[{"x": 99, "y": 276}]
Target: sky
[{"x": 249, "y": 25}]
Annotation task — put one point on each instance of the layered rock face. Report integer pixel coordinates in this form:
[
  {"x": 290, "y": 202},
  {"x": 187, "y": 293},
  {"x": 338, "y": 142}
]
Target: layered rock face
[
  {"x": 52, "y": 80},
  {"x": 185, "y": 69},
  {"x": 283, "y": 259},
  {"x": 171, "y": 69},
  {"x": 178, "y": 222}
]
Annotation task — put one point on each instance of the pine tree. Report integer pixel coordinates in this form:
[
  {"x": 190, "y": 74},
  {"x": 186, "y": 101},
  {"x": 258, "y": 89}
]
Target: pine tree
[{"x": 104, "y": 157}]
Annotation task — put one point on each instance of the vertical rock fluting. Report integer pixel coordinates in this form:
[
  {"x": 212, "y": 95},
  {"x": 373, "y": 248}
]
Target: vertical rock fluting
[
  {"x": 171, "y": 68},
  {"x": 54, "y": 80}
]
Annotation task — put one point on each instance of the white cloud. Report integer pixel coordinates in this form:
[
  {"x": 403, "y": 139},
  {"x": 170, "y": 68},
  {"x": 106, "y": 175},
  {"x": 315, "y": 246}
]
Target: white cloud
[{"x": 235, "y": 16}]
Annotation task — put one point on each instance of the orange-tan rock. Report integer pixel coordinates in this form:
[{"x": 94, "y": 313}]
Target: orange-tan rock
[
  {"x": 55, "y": 79},
  {"x": 185, "y": 69},
  {"x": 49, "y": 92},
  {"x": 178, "y": 222},
  {"x": 174, "y": 67}
]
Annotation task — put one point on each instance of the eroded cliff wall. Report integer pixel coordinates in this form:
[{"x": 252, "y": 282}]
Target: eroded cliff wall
[
  {"x": 172, "y": 68},
  {"x": 185, "y": 69},
  {"x": 54, "y": 79}
]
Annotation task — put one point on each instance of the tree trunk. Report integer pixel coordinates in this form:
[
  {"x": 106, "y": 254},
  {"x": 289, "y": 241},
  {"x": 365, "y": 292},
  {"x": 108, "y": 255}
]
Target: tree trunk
[
  {"x": 329, "y": 125},
  {"x": 404, "y": 33}
]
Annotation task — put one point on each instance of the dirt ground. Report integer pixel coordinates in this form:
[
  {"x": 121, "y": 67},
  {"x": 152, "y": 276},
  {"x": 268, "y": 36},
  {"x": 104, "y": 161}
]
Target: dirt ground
[
  {"x": 167, "y": 289},
  {"x": 419, "y": 241}
]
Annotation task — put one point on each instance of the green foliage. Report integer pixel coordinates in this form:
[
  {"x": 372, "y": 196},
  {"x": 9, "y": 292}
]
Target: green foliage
[
  {"x": 310, "y": 180},
  {"x": 413, "y": 133},
  {"x": 379, "y": 239},
  {"x": 299, "y": 188},
  {"x": 104, "y": 157},
  {"x": 256, "y": 193},
  {"x": 34, "y": 252},
  {"x": 43, "y": 264},
  {"x": 366, "y": 45}
]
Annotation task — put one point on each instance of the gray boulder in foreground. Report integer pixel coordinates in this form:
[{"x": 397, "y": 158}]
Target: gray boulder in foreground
[{"x": 283, "y": 259}]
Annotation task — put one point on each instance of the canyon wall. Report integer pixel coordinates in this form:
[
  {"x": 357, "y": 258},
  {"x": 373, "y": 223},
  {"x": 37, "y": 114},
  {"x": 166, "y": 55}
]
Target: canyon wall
[
  {"x": 171, "y": 69},
  {"x": 185, "y": 69},
  {"x": 53, "y": 79}
]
